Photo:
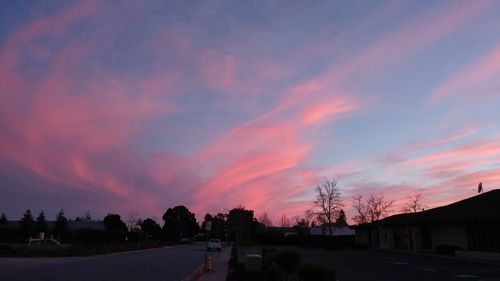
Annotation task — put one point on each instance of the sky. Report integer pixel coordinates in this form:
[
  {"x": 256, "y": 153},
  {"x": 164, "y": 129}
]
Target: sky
[{"x": 140, "y": 106}]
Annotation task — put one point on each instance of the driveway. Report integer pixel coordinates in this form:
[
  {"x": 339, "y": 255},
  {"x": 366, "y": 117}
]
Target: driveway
[{"x": 165, "y": 264}]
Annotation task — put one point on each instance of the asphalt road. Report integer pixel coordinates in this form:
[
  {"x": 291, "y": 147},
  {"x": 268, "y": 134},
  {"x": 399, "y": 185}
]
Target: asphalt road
[
  {"x": 373, "y": 265},
  {"x": 165, "y": 264}
]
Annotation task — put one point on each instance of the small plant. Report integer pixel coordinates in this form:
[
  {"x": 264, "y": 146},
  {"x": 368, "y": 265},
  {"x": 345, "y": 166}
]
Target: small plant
[
  {"x": 273, "y": 273},
  {"x": 288, "y": 261},
  {"x": 313, "y": 272}
]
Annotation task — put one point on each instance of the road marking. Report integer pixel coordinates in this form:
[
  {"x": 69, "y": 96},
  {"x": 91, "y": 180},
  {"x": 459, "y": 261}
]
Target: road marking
[
  {"x": 426, "y": 269},
  {"x": 167, "y": 247},
  {"x": 465, "y": 276}
]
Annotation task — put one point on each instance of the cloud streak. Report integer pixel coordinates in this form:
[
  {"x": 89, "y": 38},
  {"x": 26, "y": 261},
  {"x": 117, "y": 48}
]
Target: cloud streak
[{"x": 211, "y": 108}]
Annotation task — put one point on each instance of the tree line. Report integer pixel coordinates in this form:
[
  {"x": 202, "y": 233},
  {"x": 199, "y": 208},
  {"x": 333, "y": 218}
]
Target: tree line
[{"x": 239, "y": 223}]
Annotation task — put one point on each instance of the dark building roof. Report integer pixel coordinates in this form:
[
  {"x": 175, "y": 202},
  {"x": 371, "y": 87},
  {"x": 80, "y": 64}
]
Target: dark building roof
[{"x": 485, "y": 206}]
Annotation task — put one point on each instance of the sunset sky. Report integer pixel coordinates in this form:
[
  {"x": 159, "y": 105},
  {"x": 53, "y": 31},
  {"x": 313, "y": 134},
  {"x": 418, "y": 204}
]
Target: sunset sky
[{"x": 138, "y": 106}]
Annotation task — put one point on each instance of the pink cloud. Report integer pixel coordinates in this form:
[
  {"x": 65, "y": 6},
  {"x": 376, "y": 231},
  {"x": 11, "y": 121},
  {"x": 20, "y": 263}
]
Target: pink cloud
[
  {"x": 472, "y": 77},
  {"x": 328, "y": 107}
]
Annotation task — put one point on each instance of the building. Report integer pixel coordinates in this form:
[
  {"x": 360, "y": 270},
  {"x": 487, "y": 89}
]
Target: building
[
  {"x": 337, "y": 229},
  {"x": 471, "y": 227}
]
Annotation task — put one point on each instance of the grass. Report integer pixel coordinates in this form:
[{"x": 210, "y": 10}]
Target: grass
[{"x": 8, "y": 250}]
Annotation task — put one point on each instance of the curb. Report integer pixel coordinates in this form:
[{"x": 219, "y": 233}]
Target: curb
[
  {"x": 198, "y": 272},
  {"x": 434, "y": 255}
]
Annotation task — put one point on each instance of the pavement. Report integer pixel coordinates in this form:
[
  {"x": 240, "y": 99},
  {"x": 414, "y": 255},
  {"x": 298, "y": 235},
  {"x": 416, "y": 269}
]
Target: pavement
[
  {"x": 220, "y": 267},
  {"x": 162, "y": 264},
  {"x": 375, "y": 265}
]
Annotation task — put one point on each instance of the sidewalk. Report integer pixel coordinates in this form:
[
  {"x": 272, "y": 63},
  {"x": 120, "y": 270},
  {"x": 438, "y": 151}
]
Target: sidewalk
[{"x": 220, "y": 267}]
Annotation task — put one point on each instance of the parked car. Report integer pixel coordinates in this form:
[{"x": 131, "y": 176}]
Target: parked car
[
  {"x": 214, "y": 244},
  {"x": 186, "y": 240}
]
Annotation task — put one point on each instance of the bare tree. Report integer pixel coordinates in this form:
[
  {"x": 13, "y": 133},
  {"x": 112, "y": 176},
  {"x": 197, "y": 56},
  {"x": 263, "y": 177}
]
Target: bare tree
[
  {"x": 285, "y": 221},
  {"x": 265, "y": 220},
  {"x": 414, "y": 203},
  {"x": 328, "y": 202},
  {"x": 133, "y": 221},
  {"x": 374, "y": 208}
]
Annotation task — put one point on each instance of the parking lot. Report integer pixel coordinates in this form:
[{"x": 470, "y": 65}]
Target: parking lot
[{"x": 357, "y": 265}]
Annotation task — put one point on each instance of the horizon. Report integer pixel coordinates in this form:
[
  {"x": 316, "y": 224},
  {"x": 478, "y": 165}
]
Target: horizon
[{"x": 122, "y": 107}]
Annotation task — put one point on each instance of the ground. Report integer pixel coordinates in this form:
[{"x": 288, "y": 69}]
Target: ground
[
  {"x": 374, "y": 265},
  {"x": 166, "y": 264}
]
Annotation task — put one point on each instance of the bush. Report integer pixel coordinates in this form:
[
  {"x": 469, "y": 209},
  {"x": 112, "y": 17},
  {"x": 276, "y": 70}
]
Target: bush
[
  {"x": 312, "y": 272},
  {"x": 332, "y": 275},
  {"x": 90, "y": 236},
  {"x": 273, "y": 273},
  {"x": 288, "y": 260}
]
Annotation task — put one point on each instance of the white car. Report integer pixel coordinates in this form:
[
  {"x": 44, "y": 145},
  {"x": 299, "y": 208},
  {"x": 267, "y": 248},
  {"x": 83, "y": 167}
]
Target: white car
[{"x": 214, "y": 244}]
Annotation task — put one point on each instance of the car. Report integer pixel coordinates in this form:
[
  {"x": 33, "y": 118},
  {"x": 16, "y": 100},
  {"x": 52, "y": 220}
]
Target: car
[
  {"x": 186, "y": 240},
  {"x": 214, "y": 244}
]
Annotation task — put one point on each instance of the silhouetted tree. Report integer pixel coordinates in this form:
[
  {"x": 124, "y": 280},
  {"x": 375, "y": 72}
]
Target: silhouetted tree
[
  {"x": 27, "y": 225},
  {"x": 328, "y": 203},
  {"x": 219, "y": 225},
  {"x": 341, "y": 218},
  {"x": 240, "y": 221},
  {"x": 374, "y": 208},
  {"x": 133, "y": 221},
  {"x": 179, "y": 221},
  {"x": 3, "y": 221},
  {"x": 301, "y": 225},
  {"x": 85, "y": 217},
  {"x": 414, "y": 203},
  {"x": 3, "y": 228},
  {"x": 116, "y": 229},
  {"x": 41, "y": 223},
  {"x": 285, "y": 221},
  {"x": 61, "y": 228},
  {"x": 151, "y": 228},
  {"x": 265, "y": 220}
]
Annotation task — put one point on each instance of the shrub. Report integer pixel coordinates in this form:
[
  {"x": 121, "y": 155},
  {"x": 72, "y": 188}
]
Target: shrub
[
  {"x": 332, "y": 275},
  {"x": 90, "y": 236},
  {"x": 312, "y": 272},
  {"x": 273, "y": 273},
  {"x": 288, "y": 260}
]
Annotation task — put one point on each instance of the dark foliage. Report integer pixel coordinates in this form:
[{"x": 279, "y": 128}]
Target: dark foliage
[
  {"x": 335, "y": 242},
  {"x": 3, "y": 228},
  {"x": 115, "y": 228},
  {"x": 27, "y": 225},
  {"x": 312, "y": 272},
  {"x": 241, "y": 223},
  {"x": 90, "y": 236},
  {"x": 341, "y": 218},
  {"x": 179, "y": 222},
  {"x": 219, "y": 225},
  {"x": 41, "y": 223},
  {"x": 61, "y": 229},
  {"x": 288, "y": 260},
  {"x": 273, "y": 273},
  {"x": 151, "y": 228}
]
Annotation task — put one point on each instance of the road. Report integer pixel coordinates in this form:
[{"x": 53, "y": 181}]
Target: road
[
  {"x": 358, "y": 265},
  {"x": 165, "y": 264}
]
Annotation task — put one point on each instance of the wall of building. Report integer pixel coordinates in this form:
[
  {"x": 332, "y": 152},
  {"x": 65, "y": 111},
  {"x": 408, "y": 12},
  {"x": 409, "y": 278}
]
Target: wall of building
[
  {"x": 449, "y": 235},
  {"x": 386, "y": 237},
  {"x": 362, "y": 237}
]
